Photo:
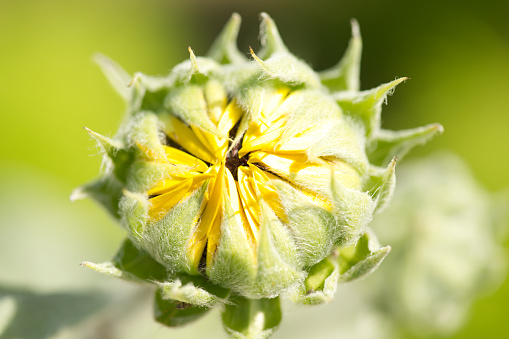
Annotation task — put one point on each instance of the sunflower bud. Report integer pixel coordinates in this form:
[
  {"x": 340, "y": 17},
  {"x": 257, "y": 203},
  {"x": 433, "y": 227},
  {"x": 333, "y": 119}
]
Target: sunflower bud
[{"x": 240, "y": 180}]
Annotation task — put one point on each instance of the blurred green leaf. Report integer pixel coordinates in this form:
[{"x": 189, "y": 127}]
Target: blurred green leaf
[{"x": 39, "y": 316}]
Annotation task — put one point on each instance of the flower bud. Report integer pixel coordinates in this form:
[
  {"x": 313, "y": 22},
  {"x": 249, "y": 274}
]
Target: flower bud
[{"x": 253, "y": 176}]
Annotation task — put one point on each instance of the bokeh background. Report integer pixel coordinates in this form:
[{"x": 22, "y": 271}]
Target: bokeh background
[{"x": 456, "y": 52}]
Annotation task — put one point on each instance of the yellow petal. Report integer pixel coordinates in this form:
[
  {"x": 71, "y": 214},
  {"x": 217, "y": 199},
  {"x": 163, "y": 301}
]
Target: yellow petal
[
  {"x": 260, "y": 127},
  {"x": 213, "y": 237},
  {"x": 301, "y": 142},
  {"x": 161, "y": 204},
  {"x": 176, "y": 156},
  {"x": 169, "y": 184},
  {"x": 236, "y": 204},
  {"x": 165, "y": 186},
  {"x": 270, "y": 119},
  {"x": 249, "y": 198},
  {"x": 186, "y": 138},
  {"x": 281, "y": 163},
  {"x": 269, "y": 111},
  {"x": 270, "y": 195},
  {"x": 216, "y": 98},
  {"x": 229, "y": 118},
  {"x": 268, "y": 192},
  {"x": 311, "y": 176},
  {"x": 215, "y": 145},
  {"x": 265, "y": 142},
  {"x": 214, "y": 203},
  {"x": 218, "y": 146}
]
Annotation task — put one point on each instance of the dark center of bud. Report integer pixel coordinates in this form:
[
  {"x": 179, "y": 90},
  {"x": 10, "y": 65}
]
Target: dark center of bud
[{"x": 233, "y": 162}]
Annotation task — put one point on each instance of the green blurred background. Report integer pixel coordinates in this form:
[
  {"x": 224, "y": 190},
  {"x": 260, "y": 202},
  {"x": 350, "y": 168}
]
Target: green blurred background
[{"x": 456, "y": 52}]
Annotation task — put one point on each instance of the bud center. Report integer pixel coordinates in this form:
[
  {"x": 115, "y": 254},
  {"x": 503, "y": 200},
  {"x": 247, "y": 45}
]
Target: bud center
[{"x": 233, "y": 162}]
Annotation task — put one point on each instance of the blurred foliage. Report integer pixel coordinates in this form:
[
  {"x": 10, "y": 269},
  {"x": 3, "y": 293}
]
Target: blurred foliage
[
  {"x": 39, "y": 316},
  {"x": 446, "y": 234},
  {"x": 456, "y": 52}
]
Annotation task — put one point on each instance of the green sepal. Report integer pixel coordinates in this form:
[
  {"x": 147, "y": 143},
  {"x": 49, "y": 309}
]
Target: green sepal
[
  {"x": 153, "y": 100},
  {"x": 343, "y": 141},
  {"x": 237, "y": 78},
  {"x": 194, "y": 71},
  {"x": 116, "y": 75},
  {"x": 149, "y": 82},
  {"x": 251, "y": 318},
  {"x": 224, "y": 49},
  {"x": 215, "y": 96},
  {"x": 306, "y": 108},
  {"x": 234, "y": 263},
  {"x": 382, "y": 192},
  {"x": 194, "y": 290},
  {"x": 148, "y": 93},
  {"x": 353, "y": 211},
  {"x": 366, "y": 266},
  {"x": 314, "y": 228},
  {"x": 367, "y": 105},
  {"x": 261, "y": 272},
  {"x": 389, "y": 144},
  {"x": 116, "y": 157},
  {"x": 188, "y": 103},
  {"x": 315, "y": 280},
  {"x": 167, "y": 239},
  {"x": 109, "y": 146},
  {"x": 345, "y": 76},
  {"x": 279, "y": 62},
  {"x": 107, "y": 191},
  {"x": 286, "y": 68},
  {"x": 320, "y": 285},
  {"x": 174, "y": 313},
  {"x": 145, "y": 137},
  {"x": 270, "y": 37},
  {"x": 132, "y": 264},
  {"x": 134, "y": 212},
  {"x": 143, "y": 175},
  {"x": 362, "y": 259},
  {"x": 277, "y": 257}
]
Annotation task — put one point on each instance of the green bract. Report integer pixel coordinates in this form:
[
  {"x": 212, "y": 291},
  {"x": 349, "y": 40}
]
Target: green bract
[{"x": 241, "y": 180}]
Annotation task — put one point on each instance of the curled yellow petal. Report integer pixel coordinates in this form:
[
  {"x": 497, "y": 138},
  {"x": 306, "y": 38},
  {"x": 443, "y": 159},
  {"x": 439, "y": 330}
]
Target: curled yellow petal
[
  {"x": 236, "y": 204},
  {"x": 230, "y": 116},
  {"x": 186, "y": 138},
  {"x": 214, "y": 203},
  {"x": 249, "y": 200},
  {"x": 169, "y": 184},
  {"x": 161, "y": 204},
  {"x": 268, "y": 192},
  {"x": 176, "y": 156}
]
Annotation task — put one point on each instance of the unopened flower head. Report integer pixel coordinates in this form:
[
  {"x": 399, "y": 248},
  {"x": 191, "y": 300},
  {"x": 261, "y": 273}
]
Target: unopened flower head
[{"x": 240, "y": 179}]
